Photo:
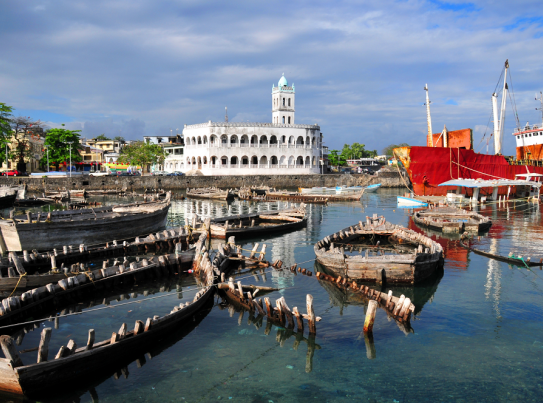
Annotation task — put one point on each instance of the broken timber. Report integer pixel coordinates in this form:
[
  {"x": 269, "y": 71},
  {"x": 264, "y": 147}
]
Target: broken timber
[
  {"x": 422, "y": 259},
  {"x": 73, "y": 364}
]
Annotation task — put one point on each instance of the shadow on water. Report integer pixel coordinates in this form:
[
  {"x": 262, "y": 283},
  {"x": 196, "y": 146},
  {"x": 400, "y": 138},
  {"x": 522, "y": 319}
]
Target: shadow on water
[
  {"x": 419, "y": 294},
  {"x": 140, "y": 355}
]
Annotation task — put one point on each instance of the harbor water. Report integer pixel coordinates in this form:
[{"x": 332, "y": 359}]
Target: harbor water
[{"x": 477, "y": 332}]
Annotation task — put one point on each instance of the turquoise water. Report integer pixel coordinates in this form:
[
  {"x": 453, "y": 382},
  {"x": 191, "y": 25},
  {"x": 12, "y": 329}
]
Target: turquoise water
[{"x": 477, "y": 333}]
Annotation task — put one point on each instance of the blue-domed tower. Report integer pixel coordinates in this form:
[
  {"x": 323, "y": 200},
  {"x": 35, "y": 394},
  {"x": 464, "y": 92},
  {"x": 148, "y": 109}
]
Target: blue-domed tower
[{"x": 283, "y": 102}]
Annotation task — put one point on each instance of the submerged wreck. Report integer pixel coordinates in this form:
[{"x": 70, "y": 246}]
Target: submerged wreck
[
  {"x": 72, "y": 364},
  {"x": 84, "y": 226},
  {"x": 452, "y": 220},
  {"x": 377, "y": 251},
  {"x": 259, "y": 223}
]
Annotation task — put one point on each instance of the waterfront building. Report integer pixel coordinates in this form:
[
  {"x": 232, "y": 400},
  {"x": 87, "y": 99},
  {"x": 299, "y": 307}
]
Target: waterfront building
[
  {"x": 172, "y": 146},
  {"x": 243, "y": 148}
]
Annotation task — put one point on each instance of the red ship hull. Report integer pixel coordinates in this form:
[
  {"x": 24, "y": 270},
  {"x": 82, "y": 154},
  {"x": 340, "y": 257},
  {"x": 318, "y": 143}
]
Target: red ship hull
[{"x": 427, "y": 167}]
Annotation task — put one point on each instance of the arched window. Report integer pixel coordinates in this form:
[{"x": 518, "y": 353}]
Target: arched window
[
  {"x": 291, "y": 160},
  {"x": 199, "y": 140},
  {"x": 244, "y": 160},
  {"x": 263, "y": 162},
  {"x": 244, "y": 139},
  {"x": 283, "y": 120},
  {"x": 283, "y": 101},
  {"x": 274, "y": 160},
  {"x": 254, "y": 159},
  {"x": 205, "y": 139},
  {"x": 254, "y": 139},
  {"x": 205, "y": 160},
  {"x": 273, "y": 140},
  {"x": 234, "y": 160},
  {"x": 263, "y": 139},
  {"x": 300, "y": 161},
  {"x": 289, "y": 120},
  {"x": 314, "y": 161},
  {"x": 289, "y": 102},
  {"x": 234, "y": 139},
  {"x": 224, "y": 160},
  {"x": 307, "y": 162},
  {"x": 224, "y": 139},
  {"x": 283, "y": 160},
  {"x": 300, "y": 140}
]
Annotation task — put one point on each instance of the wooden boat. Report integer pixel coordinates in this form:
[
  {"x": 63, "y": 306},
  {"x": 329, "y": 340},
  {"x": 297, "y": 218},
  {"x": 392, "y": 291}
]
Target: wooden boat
[
  {"x": 411, "y": 257},
  {"x": 7, "y": 200},
  {"x": 452, "y": 220},
  {"x": 73, "y": 364},
  {"x": 372, "y": 188},
  {"x": 313, "y": 198},
  {"x": 14, "y": 272},
  {"x": 84, "y": 226},
  {"x": 258, "y": 224},
  {"x": 511, "y": 259},
  {"x": 210, "y": 193},
  {"x": 53, "y": 296}
]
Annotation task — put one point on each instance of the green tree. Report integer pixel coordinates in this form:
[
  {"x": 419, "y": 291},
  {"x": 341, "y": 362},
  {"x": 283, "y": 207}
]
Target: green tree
[
  {"x": 23, "y": 129},
  {"x": 141, "y": 153},
  {"x": 356, "y": 151},
  {"x": 5, "y": 128},
  {"x": 102, "y": 137},
  {"x": 119, "y": 138},
  {"x": 335, "y": 158},
  {"x": 388, "y": 150},
  {"x": 58, "y": 142}
]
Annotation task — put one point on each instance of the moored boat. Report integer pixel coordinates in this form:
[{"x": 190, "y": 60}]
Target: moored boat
[
  {"x": 84, "y": 226},
  {"x": 452, "y": 220},
  {"x": 258, "y": 224},
  {"x": 411, "y": 257},
  {"x": 450, "y": 154},
  {"x": 404, "y": 201},
  {"x": 372, "y": 188},
  {"x": 210, "y": 193}
]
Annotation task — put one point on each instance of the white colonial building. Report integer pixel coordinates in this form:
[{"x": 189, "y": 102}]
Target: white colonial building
[{"x": 280, "y": 147}]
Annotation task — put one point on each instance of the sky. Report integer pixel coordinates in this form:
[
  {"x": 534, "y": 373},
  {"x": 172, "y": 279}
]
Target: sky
[{"x": 142, "y": 67}]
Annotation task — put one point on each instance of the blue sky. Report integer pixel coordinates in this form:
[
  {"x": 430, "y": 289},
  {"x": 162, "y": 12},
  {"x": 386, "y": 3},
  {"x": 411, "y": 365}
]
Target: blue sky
[{"x": 141, "y": 67}]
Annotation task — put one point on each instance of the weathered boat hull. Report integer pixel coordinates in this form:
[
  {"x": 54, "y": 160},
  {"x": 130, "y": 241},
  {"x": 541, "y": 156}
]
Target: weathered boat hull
[
  {"x": 395, "y": 269},
  {"x": 49, "y": 235},
  {"x": 221, "y": 233},
  {"x": 35, "y": 378},
  {"x": 452, "y": 220}
]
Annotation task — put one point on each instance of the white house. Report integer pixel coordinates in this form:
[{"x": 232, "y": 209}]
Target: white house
[{"x": 280, "y": 147}]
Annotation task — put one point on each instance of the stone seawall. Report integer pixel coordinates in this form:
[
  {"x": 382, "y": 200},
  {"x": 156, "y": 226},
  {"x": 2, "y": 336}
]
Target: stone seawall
[{"x": 130, "y": 183}]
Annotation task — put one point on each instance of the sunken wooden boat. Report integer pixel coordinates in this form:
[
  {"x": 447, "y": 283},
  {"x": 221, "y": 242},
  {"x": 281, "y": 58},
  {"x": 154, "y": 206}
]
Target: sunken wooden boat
[
  {"x": 314, "y": 197},
  {"x": 512, "y": 259},
  {"x": 80, "y": 282},
  {"x": 210, "y": 193},
  {"x": 258, "y": 224},
  {"x": 377, "y": 251},
  {"x": 84, "y": 226},
  {"x": 72, "y": 364},
  {"x": 452, "y": 220},
  {"x": 15, "y": 271}
]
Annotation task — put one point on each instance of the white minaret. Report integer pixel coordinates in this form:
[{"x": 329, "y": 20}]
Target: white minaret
[{"x": 283, "y": 102}]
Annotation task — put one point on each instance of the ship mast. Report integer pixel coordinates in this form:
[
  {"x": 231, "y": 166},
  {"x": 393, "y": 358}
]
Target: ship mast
[
  {"x": 499, "y": 124},
  {"x": 430, "y": 140},
  {"x": 541, "y": 107}
]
